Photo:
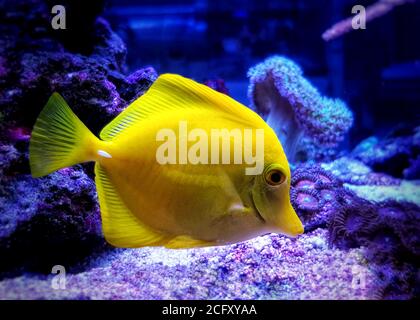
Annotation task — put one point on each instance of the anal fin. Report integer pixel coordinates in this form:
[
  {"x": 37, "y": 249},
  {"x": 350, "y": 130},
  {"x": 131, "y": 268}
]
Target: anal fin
[
  {"x": 184, "y": 242},
  {"x": 120, "y": 227}
]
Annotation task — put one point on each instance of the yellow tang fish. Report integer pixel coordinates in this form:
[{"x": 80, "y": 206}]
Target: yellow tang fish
[{"x": 150, "y": 196}]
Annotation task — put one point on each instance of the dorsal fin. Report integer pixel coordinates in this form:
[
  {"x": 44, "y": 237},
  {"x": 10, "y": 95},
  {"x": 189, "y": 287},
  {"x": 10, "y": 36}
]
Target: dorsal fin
[{"x": 171, "y": 92}]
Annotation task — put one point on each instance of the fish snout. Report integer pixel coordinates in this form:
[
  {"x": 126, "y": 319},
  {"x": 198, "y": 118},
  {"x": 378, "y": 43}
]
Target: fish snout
[
  {"x": 289, "y": 224},
  {"x": 297, "y": 229}
]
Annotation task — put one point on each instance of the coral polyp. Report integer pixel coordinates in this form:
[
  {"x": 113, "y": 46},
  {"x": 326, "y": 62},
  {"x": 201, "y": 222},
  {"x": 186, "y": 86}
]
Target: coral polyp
[
  {"x": 389, "y": 232},
  {"x": 353, "y": 222},
  {"x": 314, "y": 194},
  {"x": 404, "y": 219}
]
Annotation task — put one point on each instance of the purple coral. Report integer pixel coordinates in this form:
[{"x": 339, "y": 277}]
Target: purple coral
[
  {"x": 395, "y": 281},
  {"x": 137, "y": 83},
  {"x": 404, "y": 219},
  {"x": 400, "y": 220},
  {"x": 353, "y": 223},
  {"x": 293, "y": 107},
  {"x": 314, "y": 194},
  {"x": 390, "y": 233},
  {"x": 55, "y": 220},
  {"x": 362, "y": 222}
]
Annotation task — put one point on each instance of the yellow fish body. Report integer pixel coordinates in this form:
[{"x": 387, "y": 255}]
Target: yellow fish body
[{"x": 177, "y": 204}]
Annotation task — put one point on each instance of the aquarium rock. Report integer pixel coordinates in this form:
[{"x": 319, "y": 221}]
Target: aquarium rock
[
  {"x": 397, "y": 154},
  {"x": 355, "y": 172},
  {"x": 269, "y": 267}
]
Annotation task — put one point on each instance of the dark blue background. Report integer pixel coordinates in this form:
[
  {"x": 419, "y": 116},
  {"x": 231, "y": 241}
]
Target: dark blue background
[{"x": 376, "y": 71}]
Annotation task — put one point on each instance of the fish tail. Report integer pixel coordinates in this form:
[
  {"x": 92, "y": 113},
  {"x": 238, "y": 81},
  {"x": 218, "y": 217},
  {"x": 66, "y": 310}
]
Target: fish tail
[{"x": 59, "y": 139}]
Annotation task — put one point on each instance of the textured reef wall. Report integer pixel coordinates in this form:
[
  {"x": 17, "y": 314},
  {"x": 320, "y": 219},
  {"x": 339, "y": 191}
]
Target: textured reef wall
[
  {"x": 360, "y": 212},
  {"x": 56, "y": 217}
]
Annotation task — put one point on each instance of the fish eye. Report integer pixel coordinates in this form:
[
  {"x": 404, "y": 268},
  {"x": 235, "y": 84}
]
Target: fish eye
[{"x": 275, "y": 177}]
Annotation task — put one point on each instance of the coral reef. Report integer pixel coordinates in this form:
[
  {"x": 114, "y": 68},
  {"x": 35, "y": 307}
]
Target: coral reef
[
  {"x": 397, "y": 154},
  {"x": 269, "y": 267},
  {"x": 294, "y": 108},
  {"x": 406, "y": 191},
  {"x": 351, "y": 226},
  {"x": 354, "y": 172},
  {"x": 385, "y": 224},
  {"x": 56, "y": 218},
  {"x": 321, "y": 195},
  {"x": 389, "y": 232},
  {"x": 46, "y": 220},
  {"x": 386, "y": 228},
  {"x": 39, "y": 63},
  {"x": 404, "y": 219},
  {"x": 43, "y": 222}
]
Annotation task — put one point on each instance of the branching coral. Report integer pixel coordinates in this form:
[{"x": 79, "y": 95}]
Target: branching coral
[{"x": 293, "y": 107}]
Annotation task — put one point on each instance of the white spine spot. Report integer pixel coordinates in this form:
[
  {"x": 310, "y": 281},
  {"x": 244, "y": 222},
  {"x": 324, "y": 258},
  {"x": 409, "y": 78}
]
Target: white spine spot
[{"x": 104, "y": 154}]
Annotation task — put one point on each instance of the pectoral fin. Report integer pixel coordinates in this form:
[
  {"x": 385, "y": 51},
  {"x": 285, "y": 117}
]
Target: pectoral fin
[{"x": 238, "y": 209}]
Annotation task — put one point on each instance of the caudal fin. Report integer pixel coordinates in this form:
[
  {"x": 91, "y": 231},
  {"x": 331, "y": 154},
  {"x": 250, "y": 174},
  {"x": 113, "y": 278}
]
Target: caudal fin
[{"x": 59, "y": 139}]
